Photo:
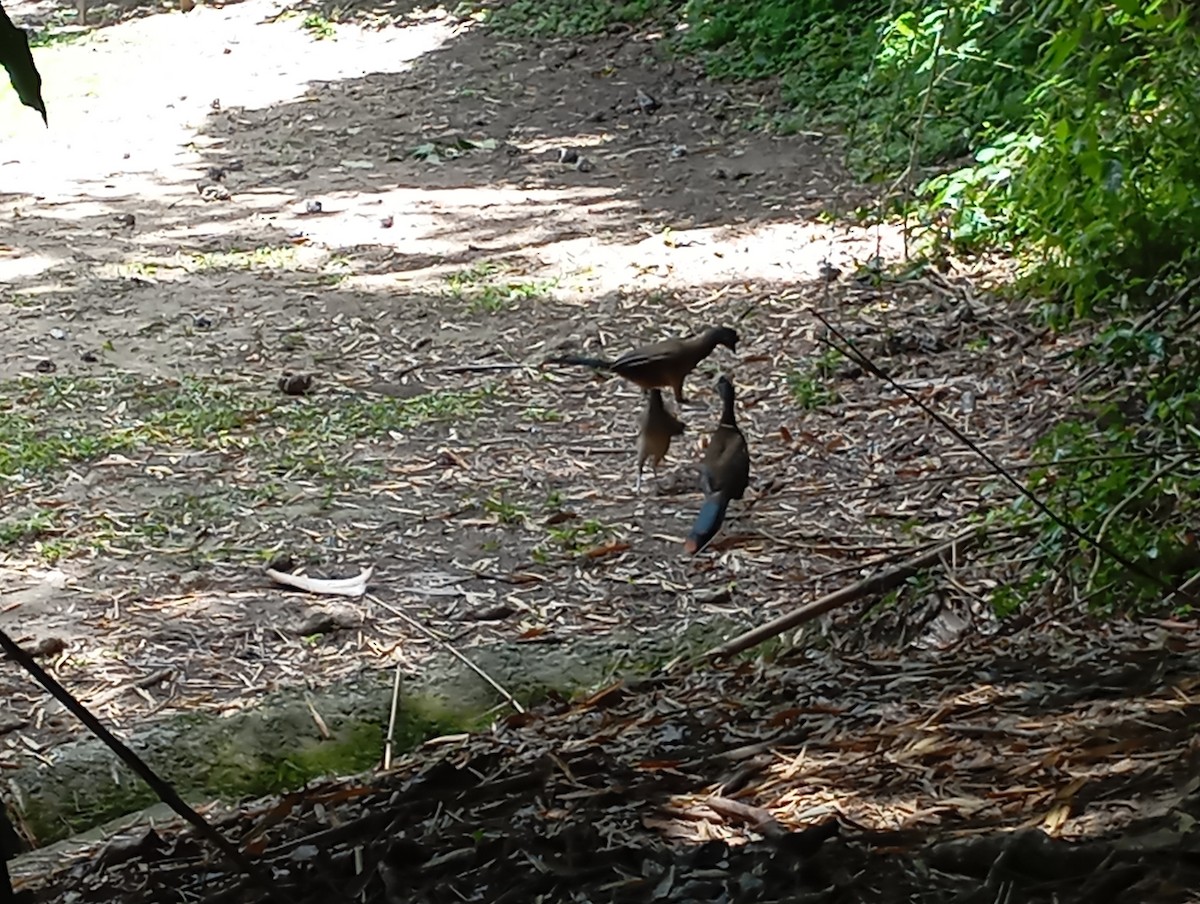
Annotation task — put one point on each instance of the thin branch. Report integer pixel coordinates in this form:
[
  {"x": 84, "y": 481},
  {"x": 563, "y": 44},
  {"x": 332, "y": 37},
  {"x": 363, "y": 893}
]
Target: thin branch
[
  {"x": 1125, "y": 501},
  {"x": 437, "y": 638},
  {"x": 391, "y": 729},
  {"x": 165, "y": 792},
  {"x": 852, "y": 351},
  {"x": 879, "y": 583}
]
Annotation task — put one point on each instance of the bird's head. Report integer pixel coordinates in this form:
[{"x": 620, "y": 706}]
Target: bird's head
[{"x": 726, "y": 336}]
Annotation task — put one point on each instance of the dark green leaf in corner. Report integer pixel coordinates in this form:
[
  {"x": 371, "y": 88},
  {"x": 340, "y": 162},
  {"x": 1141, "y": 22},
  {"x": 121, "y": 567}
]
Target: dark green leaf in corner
[{"x": 15, "y": 55}]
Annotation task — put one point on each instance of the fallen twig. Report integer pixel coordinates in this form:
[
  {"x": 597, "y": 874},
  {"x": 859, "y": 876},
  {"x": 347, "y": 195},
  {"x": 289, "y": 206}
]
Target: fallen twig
[
  {"x": 391, "y": 729},
  {"x": 165, "y": 792},
  {"x": 433, "y": 635},
  {"x": 355, "y": 586},
  {"x": 879, "y": 583}
]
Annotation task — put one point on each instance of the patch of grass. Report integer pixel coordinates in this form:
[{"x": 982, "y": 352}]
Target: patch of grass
[
  {"x": 52, "y": 36},
  {"x": 25, "y": 529},
  {"x": 266, "y": 257},
  {"x": 485, "y": 290},
  {"x": 576, "y": 536},
  {"x": 434, "y": 152},
  {"x": 542, "y": 415},
  {"x": 49, "y": 425},
  {"x": 809, "y": 386},
  {"x": 272, "y": 451},
  {"x": 139, "y": 269},
  {"x": 319, "y": 27},
  {"x": 507, "y": 511},
  {"x": 336, "y": 270}
]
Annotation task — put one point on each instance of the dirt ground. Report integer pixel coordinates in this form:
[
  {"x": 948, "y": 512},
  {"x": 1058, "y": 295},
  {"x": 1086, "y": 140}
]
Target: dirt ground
[
  {"x": 147, "y": 319},
  {"x": 241, "y": 192}
]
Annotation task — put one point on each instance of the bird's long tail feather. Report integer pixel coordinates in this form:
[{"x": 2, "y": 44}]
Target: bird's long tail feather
[
  {"x": 598, "y": 363},
  {"x": 707, "y": 523}
]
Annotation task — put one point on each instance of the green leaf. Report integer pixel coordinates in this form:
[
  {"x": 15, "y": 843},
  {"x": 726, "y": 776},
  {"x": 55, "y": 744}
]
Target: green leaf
[
  {"x": 22, "y": 72},
  {"x": 904, "y": 25}
]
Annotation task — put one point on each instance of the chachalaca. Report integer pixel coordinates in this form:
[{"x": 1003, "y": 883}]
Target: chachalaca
[
  {"x": 725, "y": 474},
  {"x": 654, "y": 439},
  {"x": 665, "y": 363}
]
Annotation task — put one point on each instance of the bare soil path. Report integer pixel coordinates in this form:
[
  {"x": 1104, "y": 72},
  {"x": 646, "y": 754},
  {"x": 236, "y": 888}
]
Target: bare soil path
[{"x": 224, "y": 196}]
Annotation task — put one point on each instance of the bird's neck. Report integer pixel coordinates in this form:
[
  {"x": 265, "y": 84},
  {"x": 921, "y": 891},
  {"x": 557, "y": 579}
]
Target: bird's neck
[
  {"x": 728, "y": 417},
  {"x": 707, "y": 341}
]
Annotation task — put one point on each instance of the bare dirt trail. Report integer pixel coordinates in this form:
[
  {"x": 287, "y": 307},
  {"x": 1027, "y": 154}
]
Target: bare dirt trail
[
  {"x": 397, "y": 209},
  {"x": 150, "y": 467}
]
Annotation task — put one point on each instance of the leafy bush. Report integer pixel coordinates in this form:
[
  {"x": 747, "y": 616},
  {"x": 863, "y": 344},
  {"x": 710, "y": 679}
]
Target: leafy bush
[{"x": 1098, "y": 178}]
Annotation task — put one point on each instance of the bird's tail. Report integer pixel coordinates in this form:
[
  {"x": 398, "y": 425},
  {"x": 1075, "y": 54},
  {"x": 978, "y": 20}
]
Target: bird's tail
[
  {"x": 708, "y": 522},
  {"x": 597, "y": 363}
]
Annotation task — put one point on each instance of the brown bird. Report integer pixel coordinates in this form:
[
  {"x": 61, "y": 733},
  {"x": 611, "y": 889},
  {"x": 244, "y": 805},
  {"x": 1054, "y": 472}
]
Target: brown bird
[
  {"x": 725, "y": 475},
  {"x": 658, "y": 427},
  {"x": 663, "y": 364}
]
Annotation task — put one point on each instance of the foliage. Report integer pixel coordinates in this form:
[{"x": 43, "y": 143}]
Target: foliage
[
  {"x": 810, "y": 386},
  {"x": 1098, "y": 176},
  {"x": 18, "y": 61},
  {"x": 320, "y": 27}
]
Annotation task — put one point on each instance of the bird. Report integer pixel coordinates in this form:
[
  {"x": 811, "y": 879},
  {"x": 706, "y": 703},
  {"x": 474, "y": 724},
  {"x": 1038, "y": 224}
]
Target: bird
[
  {"x": 658, "y": 427},
  {"x": 663, "y": 364},
  {"x": 725, "y": 474}
]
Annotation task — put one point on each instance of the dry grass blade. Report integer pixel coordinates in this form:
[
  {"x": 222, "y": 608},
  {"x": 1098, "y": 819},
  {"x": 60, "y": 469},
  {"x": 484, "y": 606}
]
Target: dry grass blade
[{"x": 453, "y": 651}]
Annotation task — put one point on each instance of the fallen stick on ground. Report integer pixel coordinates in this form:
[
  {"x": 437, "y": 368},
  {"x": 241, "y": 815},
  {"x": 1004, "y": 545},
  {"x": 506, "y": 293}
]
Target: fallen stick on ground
[
  {"x": 166, "y": 792},
  {"x": 879, "y": 583}
]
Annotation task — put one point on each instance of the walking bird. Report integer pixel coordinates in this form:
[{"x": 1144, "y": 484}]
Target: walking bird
[
  {"x": 725, "y": 474},
  {"x": 663, "y": 364},
  {"x": 658, "y": 428}
]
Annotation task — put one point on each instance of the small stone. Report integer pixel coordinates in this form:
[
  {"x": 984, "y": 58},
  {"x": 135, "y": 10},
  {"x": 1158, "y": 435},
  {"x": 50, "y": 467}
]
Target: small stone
[
  {"x": 193, "y": 580},
  {"x": 312, "y": 207},
  {"x": 46, "y": 366},
  {"x": 828, "y": 271},
  {"x": 645, "y": 102},
  {"x": 678, "y": 152},
  {"x": 295, "y": 384},
  {"x": 387, "y": 222},
  {"x": 48, "y": 646},
  {"x": 202, "y": 322},
  {"x": 212, "y": 191},
  {"x": 56, "y": 333}
]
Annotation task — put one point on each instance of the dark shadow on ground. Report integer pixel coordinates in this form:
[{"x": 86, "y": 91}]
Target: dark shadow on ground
[{"x": 493, "y": 116}]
